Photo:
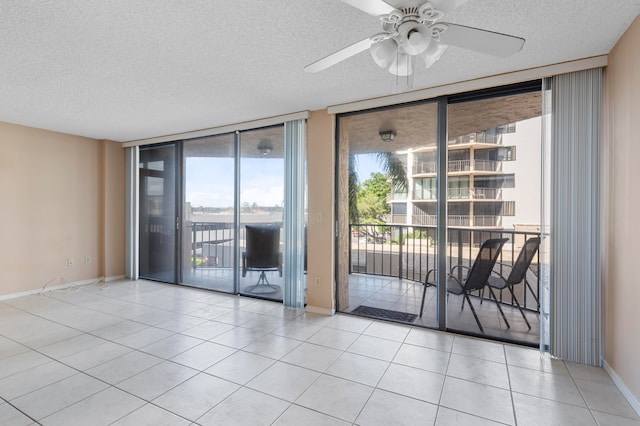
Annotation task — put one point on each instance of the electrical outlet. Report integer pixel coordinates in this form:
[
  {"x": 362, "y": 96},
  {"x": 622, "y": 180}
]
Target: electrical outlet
[
  {"x": 70, "y": 261},
  {"x": 317, "y": 281},
  {"x": 87, "y": 259}
]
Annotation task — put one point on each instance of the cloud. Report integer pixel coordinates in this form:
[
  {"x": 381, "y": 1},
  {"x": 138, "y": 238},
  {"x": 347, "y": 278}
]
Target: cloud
[{"x": 267, "y": 197}]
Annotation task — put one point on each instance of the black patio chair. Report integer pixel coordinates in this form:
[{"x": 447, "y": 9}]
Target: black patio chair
[
  {"x": 262, "y": 254},
  {"x": 517, "y": 274},
  {"x": 476, "y": 278}
]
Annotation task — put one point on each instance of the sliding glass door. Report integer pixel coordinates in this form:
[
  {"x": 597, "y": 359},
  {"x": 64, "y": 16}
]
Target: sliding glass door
[
  {"x": 208, "y": 212},
  {"x": 212, "y": 212},
  {"x": 495, "y": 186},
  {"x": 422, "y": 188},
  {"x": 261, "y": 213},
  {"x": 388, "y": 213},
  {"x": 158, "y": 212}
]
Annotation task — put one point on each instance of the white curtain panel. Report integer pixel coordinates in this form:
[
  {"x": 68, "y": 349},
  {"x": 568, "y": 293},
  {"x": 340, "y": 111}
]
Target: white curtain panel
[
  {"x": 574, "y": 247},
  {"x": 132, "y": 209},
  {"x": 295, "y": 144}
]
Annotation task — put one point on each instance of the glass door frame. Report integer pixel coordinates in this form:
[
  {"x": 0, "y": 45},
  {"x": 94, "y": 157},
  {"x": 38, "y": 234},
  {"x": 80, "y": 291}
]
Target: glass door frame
[
  {"x": 442, "y": 128},
  {"x": 182, "y": 201},
  {"x": 177, "y": 210},
  {"x": 440, "y": 104}
]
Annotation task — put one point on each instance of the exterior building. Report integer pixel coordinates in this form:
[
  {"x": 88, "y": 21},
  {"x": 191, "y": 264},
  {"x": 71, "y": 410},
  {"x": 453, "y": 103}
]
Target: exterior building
[{"x": 489, "y": 185}]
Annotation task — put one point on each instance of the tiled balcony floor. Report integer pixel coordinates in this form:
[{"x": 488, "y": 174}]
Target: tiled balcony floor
[
  {"x": 398, "y": 295},
  {"x": 406, "y": 295},
  {"x": 144, "y": 353}
]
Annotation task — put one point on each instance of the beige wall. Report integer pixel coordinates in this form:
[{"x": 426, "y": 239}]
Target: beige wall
[
  {"x": 113, "y": 207},
  {"x": 320, "y": 170},
  {"x": 622, "y": 236},
  {"x": 55, "y": 198}
]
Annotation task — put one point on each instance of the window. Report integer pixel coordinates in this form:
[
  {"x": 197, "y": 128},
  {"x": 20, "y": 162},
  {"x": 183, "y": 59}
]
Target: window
[
  {"x": 424, "y": 189},
  {"x": 458, "y": 187},
  {"x": 499, "y": 181},
  {"x": 508, "y": 153},
  {"x": 398, "y": 208}
]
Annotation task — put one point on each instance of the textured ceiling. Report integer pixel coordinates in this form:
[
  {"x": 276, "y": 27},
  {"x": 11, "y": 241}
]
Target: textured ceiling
[{"x": 132, "y": 69}]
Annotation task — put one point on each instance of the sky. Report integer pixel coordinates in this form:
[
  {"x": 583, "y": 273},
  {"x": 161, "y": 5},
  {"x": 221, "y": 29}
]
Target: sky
[
  {"x": 209, "y": 180},
  {"x": 366, "y": 164}
]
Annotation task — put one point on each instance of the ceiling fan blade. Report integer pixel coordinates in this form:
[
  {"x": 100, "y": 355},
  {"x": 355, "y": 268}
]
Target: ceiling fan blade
[
  {"x": 339, "y": 56},
  {"x": 496, "y": 44},
  {"x": 372, "y": 7},
  {"x": 447, "y": 6}
]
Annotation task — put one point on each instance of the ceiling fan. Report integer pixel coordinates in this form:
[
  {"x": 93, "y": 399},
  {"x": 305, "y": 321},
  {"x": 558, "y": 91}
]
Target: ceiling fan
[{"x": 415, "y": 29}]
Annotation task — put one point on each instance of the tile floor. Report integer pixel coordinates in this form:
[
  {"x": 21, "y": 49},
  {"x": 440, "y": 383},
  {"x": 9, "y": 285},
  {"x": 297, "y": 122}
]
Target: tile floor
[
  {"x": 143, "y": 353},
  {"x": 406, "y": 296}
]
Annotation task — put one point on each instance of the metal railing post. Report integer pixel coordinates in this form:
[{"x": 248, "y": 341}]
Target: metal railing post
[
  {"x": 400, "y": 244},
  {"x": 194, "y": 244},
  {"x": 351, "y": 248}
]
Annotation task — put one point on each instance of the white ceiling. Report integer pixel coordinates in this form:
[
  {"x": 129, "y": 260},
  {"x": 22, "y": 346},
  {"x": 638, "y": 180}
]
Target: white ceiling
[{"x": 134, "y": 69}]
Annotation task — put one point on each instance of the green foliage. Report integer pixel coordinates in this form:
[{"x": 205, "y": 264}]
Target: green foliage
[
  {"x": 353, "y": 190},
  {"x": 418, "y": 234},
  {"x": 372, "y": 199},
  {"x": 395, "y": 169},
  {"x": 368, "y": 202}
]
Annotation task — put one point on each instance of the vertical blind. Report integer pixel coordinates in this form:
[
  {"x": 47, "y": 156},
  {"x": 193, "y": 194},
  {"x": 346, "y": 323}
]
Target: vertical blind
[
  {"x": 295, "y": 144},
  {"x": 131, "y": 220},
  {"x": 575, "y": 216}
]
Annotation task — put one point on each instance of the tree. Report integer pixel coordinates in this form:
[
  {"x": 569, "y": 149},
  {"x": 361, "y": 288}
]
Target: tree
[
  {"x": 395, "y": 172},
  {"x": 372, "y": 199}
]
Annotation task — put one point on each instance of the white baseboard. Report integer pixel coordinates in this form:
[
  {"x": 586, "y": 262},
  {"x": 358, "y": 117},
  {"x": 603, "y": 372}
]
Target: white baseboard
[
  {"x": 633, "y": 400},
  {"x": 114, "y": 278},
  {"x": 48, "y": 288},
  {"x": 320, "y": 311}
]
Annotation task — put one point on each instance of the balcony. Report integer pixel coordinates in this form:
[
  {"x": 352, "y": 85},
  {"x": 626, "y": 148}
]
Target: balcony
[
  {"x": 462, "y": 194},
  {"x": 487, "y": 193},
  {"x": 458, "y": 220},
  {"x": 388, "y": 264},
  {"x": 458, "y": 166},
  {"x": 478, "y": 138}
]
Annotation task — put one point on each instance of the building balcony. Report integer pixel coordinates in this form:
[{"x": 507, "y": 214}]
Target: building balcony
[
  {"x": 478, "y": 138},
  {"x": 459, "y": 166},
  {"x": 484, "y": 221},
  {"x": 389, "y": 263}
]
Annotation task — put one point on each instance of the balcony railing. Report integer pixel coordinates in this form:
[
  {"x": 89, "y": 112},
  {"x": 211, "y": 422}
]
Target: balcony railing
[
  {"x": 212, "y": 244},
  {"x": 409, "y": 252},
  {"x": 457, "y": 166},
  {"x": 460, "y": 194},
  {"x": 479, "y": 137},
  {"x": 487, "y": 165},
  {"x": 487, "y": 193},
  {"x": 458, "y": 220}
]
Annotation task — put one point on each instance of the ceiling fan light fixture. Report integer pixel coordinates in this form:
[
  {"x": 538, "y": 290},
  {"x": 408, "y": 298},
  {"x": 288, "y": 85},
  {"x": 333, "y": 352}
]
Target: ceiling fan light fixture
[
  {"x": 402, "y": 66},
  {"x": 384, "y": 52},
  {"x": 433, "y": 53},
  {"x": 416, "y": 37}
]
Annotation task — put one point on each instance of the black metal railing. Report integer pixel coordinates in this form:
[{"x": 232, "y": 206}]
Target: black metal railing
[
  {"x": 409, "y": 252},
  {"x": 212, "y": 244}
]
